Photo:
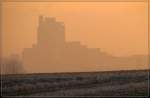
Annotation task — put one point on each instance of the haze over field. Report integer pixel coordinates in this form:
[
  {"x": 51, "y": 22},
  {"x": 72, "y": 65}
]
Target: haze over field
[{"x": 118, "y": 29}]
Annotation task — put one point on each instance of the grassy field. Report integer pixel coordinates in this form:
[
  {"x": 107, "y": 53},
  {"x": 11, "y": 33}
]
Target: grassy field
[{"x": 114, "y": 83}]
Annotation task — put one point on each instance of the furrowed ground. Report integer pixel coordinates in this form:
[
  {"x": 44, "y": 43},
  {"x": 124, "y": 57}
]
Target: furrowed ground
[{"x": 113, "y": 83}]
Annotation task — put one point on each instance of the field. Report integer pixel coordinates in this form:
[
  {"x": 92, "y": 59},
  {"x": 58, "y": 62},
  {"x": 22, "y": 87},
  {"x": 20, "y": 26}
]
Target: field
[{"x": 113, "y": 83}]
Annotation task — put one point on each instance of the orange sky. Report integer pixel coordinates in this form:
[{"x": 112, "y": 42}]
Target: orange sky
[{"x": 119, "y": 28}]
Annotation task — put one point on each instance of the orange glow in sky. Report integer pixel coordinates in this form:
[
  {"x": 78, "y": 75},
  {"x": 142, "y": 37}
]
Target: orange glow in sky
[{"x": 119, "y": 28}]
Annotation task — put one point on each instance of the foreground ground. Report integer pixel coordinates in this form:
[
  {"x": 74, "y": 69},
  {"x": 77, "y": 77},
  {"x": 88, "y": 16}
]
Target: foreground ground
[{"x": 117, "y": 83}]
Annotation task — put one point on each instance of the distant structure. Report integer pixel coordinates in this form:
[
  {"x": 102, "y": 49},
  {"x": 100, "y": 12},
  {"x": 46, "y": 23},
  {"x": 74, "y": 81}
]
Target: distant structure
[
  {"x": 53, "y": 54},
  {"x": 12, "y": 65}
]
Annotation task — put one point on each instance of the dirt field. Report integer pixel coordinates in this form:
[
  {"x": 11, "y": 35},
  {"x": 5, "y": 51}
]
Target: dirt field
[{"x": 115, "y": 83}]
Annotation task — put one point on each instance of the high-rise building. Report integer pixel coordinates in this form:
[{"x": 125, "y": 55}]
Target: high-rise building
[
  {"x": 52, "y": 53},
  {"x": 50, "y": 32}
]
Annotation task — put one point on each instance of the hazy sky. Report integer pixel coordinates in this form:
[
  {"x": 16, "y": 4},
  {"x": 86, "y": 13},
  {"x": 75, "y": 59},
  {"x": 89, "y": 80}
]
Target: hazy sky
[{"x": 119, "y": 28}]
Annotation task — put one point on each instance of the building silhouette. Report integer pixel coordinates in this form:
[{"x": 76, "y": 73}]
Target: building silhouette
[
  {"x": 53, "y": 54},
  {"x": 12, "y": 65}
]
